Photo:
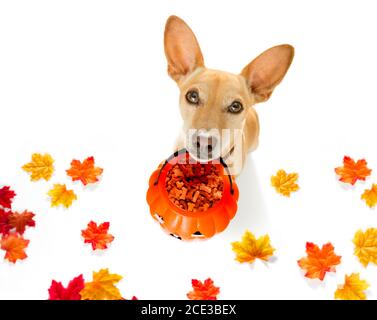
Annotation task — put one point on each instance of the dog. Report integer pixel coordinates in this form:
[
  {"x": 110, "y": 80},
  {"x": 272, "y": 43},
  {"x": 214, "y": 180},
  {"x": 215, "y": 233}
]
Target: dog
[{"x": 213, "y": 101}]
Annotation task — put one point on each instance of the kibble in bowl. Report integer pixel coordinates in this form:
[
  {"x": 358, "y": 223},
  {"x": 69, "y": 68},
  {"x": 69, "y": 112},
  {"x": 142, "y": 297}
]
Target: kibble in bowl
[
  {"x": 192, "y": 200},
  {"x": 194, "y": 187}
]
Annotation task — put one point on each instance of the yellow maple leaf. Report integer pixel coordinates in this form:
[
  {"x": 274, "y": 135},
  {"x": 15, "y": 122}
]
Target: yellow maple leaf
[
  {"x": 250, "y": 248},
  {"x": 366, "y": 246},
  {"x": 61, "y": 196},
  {"x": 40, "y": 167},
  {"x": 352, "y": 289},
  {"x": 370, "y": 196},
  {"x": 285, "y": 183},
  {"x": 102, "y": 287}
]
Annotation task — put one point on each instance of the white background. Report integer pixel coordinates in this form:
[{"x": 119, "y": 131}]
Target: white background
[{"x": 82, "y": 78}]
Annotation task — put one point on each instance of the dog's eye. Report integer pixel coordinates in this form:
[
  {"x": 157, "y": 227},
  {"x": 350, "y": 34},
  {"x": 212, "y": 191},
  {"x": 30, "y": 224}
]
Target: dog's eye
[
  {"x": 192, "y": 97},
  {"x": 235, "y": 107}
]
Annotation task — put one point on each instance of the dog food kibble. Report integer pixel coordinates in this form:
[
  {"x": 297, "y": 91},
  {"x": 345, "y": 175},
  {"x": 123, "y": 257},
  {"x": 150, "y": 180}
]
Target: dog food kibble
[{"x": 194, "y": 187}]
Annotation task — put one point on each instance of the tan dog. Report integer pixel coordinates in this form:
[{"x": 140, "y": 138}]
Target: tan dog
[{"x": 212, "y": 100}]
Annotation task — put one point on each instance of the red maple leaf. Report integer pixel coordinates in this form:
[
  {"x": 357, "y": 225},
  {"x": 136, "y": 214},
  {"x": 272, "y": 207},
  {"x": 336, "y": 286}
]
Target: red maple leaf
[
  {"x": 133, "y": 298},
  {"x": 203, "y": 290},
  {"x": 19, "y": 221},
  {"x": 6, "y": 197},
  {"x": 353, "y": 171},
  {"x": 319, "y": 261},
  {"x": 15, "y": 246},
  {"x": 4, "y": 222},
  {"x": 72, "y": 292},
  {"x": 97, "y": 235},
  {"x": 86, "y": 172}
]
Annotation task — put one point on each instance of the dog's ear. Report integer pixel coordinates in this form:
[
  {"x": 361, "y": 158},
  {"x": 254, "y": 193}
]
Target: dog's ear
[
  {"x": 181, "y": 48},
  {"x": 266, "y": 71}
]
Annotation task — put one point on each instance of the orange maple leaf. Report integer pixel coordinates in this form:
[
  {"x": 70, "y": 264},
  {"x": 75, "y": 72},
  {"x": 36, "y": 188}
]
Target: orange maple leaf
[
  {"x": 352, "y": 289},
  {"x": 97, "y": 235},
  {"x": 14, "y": 245},
  {"x": 319, "y": 261},
  {"x": 251, "y": 248},
  {"x": 203, "y": 290},
  {"x": 20, "y": 221},
  {"x": 370, "y": 196},
  {"x": 86, "y": 172},
  {"x": 102, "y": 287},
  {"x": 60, "y": 195},
  {"x": 353, "y": 171},
  {"x": 285, "y": 183}
]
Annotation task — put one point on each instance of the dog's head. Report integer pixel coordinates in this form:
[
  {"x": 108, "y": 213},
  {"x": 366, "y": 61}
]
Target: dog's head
[{"x": 212, "y": 100}]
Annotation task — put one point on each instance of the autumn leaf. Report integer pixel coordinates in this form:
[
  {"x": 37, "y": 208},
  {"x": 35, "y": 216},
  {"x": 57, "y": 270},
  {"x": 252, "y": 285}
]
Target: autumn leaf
[
  {"x": 250, "y": 248},
  {"x": 19, "y": 221},
  {"x": 285, "y": 183},
  {"x": 72, "y": 292},
  {"x": 366, "y": 246},
  {"x": 370, "y": 196},
  {"x": 40, "y": 167},
  {"x": 6, "y": 197},
  {"x": 352, "y": 171},
  {"x": 102, "y": 287},
  {"x": 61, "y": 196},
  {"x": 352, "y": 289},
  {"x": 203, "y": 290},
  {"x": 4, "y": 221},
  {"x": 97, "y": 235},
  {"x": 86, "y": 172},
  {"x": 133, "y": 298},
  {"x": 319, "y": 261},
  {"x": 14, "y": 245}
]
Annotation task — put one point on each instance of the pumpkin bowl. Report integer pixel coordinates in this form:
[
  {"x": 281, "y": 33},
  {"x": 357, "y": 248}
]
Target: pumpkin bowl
[{"x": 184, "y": 224}]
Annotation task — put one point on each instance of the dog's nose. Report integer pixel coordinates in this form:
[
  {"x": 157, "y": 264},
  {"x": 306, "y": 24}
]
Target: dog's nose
[
  {"x": 206, "y": 143},
  {"x": 203, "y": 144}
]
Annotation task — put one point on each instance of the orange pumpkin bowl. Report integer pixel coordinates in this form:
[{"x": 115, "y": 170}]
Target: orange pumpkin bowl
[{"x": 184, "y": 224}]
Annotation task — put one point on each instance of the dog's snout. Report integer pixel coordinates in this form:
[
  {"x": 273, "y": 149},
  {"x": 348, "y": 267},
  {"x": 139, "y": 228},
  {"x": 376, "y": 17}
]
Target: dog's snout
[
  {"x": 203, "y": 144},
  {"x": 206, "y": 142}
]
